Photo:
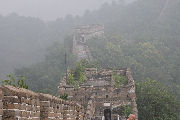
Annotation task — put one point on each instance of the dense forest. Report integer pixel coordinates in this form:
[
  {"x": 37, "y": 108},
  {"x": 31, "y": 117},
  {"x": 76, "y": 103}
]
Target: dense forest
[
  {"x": 24, "y": 40},
  {"x": 143, "y": 36}
]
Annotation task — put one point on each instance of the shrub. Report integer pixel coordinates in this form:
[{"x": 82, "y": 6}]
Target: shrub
[
  {"x": 120, "y": 80},
  {"x": 64, "y": 96},
  {"x": 127, "y": 110},
  {"x": 16, "y": 82}
]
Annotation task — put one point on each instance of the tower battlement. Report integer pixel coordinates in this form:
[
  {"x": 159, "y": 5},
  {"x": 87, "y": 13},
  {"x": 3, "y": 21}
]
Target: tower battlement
[
  {"x": 90, "y": 29},
  {"x": 99, "y": 94}
]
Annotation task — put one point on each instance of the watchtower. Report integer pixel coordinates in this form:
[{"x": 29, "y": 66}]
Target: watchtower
[
  {"x": 81, "y": 35},
  {"x": 99, "y": 96}
]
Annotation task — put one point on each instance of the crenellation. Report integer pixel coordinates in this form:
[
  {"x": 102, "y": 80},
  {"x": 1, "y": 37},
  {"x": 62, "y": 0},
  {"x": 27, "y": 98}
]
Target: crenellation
[
  {"x": 22, "y": 104},
  {"x": 98, "y": 93}
]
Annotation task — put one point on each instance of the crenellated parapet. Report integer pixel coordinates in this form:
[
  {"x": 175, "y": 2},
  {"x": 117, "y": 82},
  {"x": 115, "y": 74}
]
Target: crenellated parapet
[
  {"x": 22, "y": 104},
  {"x": 98, "y": 93}
]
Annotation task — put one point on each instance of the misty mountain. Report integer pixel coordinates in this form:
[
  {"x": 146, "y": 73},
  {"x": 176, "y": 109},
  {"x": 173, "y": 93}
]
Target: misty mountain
[
  {"x": 147, "y": 33},
  {"x": 142, "y": 35},
  {"x": 24, "y": 40},
  {"x": 21, "y": 41}
]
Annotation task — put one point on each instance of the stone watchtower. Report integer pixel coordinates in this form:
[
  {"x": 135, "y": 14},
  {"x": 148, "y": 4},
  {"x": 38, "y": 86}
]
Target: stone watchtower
[
  {"x": 99, "y": 96},
  {"x": 81, "y": 35}
]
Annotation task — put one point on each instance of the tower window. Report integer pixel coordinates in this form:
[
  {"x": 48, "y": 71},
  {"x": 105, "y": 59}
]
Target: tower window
[{"x": 106, "y": 96}]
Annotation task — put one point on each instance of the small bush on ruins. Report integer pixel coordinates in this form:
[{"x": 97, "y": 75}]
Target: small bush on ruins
[
  {"x": 87, "y": 64},
  {"x": 16, "y": 82},
  {"x": 64, "y": 96},
  {"x": 70, "y": 79},
  {"x": 119, "y": 80},
  {"x": 77, "y": 76},
  {"x": 127, "y": 110}
]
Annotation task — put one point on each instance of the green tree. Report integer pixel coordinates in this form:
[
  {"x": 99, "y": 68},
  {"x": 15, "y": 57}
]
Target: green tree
[
  {"x": 64, "y": 96},
  {"x": 16, "y": 82},
  {"x": 155, "y": 102},
  {"x": 21, "y": 82},
  {"x": 45, "y": 75},
  {"x": 77, "y": 76},
  {"x": 119, "y": 80},
  {"x": 70, "y": 79},
  {"x": 126, "y": 110}
]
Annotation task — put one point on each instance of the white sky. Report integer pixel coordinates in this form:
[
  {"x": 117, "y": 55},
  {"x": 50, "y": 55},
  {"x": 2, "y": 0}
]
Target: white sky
[{"x": 48, "y": 9}]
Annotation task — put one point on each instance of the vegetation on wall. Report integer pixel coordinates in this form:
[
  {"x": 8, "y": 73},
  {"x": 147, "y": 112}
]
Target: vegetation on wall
[
  {"x": 126, "y": 110},
  {"x": 77, "y": 75},
  {"x": 119, "y": 80},
  {"x": 64, "y": 96}
]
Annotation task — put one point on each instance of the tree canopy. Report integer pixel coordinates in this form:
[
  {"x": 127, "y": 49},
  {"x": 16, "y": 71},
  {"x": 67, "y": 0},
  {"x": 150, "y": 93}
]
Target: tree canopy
[{"x": 155, "y": 102}]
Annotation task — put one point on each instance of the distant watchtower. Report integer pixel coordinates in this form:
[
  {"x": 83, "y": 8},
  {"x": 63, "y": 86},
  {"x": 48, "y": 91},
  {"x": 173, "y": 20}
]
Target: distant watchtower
[{"x": 81, "y": 35}]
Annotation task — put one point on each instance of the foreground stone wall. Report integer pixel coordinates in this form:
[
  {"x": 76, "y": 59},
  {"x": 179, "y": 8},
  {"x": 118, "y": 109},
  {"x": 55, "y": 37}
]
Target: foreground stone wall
[{"x": 22, "y": 104}]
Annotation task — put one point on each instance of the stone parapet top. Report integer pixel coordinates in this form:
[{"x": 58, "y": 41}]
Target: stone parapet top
[{"x": 10, "y": 91}]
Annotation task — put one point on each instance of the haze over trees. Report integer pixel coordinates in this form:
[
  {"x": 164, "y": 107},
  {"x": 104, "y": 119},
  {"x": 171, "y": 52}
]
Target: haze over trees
[
  {"x": 143, "y": 35},
  {"x": 138, "y": 36}
]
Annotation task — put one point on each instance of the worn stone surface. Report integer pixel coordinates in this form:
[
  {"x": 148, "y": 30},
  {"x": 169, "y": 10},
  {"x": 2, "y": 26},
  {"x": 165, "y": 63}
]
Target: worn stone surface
[
  {"x": 98, "y": 93},
  {"x": 22, "y": 104}
]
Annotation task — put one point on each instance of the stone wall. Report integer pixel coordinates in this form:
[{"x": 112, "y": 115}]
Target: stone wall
[
  {"x": 22, "y": 104},
  {"x": 81, "y": 35},
  {"x": 98, "y": 93},
  {"x": 90, "y": 30}
]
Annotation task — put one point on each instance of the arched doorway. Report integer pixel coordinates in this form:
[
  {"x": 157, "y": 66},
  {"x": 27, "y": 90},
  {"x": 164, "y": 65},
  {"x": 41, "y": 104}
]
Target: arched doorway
[{"x": 107, "y": 114}]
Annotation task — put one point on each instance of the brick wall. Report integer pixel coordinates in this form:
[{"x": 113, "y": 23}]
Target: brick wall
[
  {"x": 98, "y": 90},
  {"x": 22, "y": 104},
  {"x": 81, "y": 35}
]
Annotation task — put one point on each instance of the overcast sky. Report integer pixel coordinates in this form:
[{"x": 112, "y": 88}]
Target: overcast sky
[{"x": 48, "y": 9}]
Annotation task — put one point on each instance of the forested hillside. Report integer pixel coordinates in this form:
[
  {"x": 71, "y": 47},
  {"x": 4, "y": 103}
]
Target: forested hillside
[
  {"x": 19, "y": 42},
  {"x": 24, "y": 40},
  {"x": 143, "y": 35}
]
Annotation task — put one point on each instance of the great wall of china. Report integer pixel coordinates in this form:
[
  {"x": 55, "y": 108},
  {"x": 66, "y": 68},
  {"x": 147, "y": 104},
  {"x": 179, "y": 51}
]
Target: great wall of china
[
  {"x": 81, "y": 35},
  {"x": 22, "y": 104},
  {"x": 98, "y": 94},
  {"x": 96, "y": 99}
]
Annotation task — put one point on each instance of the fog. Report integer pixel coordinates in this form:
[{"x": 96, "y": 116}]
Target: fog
[
  {"x": 24, "y": 39},
  {"x": 38, "y": 40},
  {"x": 48, "y": 9},
  {"x": 143, "y": 36}
]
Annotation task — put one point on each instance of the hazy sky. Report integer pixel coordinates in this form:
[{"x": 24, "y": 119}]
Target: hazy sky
[{"x": 48, "y": 9}]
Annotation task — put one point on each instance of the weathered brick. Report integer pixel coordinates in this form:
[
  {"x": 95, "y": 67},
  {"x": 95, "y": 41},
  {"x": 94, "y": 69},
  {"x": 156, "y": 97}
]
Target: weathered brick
[{"x": 21, "y": 107}]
